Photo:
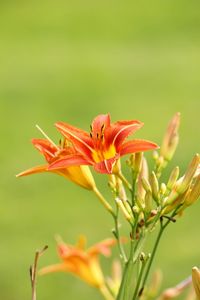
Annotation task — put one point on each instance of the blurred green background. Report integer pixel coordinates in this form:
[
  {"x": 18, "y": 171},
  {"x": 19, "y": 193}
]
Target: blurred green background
[{"x": 69, "y": 61}]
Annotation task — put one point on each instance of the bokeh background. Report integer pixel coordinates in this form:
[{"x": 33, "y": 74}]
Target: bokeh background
[{"x": 69, "y": 61}]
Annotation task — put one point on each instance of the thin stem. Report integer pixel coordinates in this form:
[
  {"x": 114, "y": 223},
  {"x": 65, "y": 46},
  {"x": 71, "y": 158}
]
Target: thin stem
[
  {"x": 139, "y": 280},
  {"x": 128, "y": 275},
  {"x": 117, "y": 235},
  {"x": 124, "y": 180},
  {"x": 153, "y": 254},
  {"x": 33, "y": 271},
  {"x": 103, "y": 201},
  {"x": 121, "y": 289},
  {"x": 162, "y": 228},
  {"x": 33, "y": 275}
]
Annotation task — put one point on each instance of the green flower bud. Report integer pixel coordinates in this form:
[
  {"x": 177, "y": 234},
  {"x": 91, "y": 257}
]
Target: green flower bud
[{"x": 173, "y": 178}]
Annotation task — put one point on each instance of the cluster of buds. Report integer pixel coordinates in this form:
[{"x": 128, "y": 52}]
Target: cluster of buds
[
  {"x": 184, "y": 191},
  {"x": 177, "y": 193}
]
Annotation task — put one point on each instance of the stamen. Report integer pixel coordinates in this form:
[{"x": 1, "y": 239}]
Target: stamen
[
  {"x": 91, "y": 128},
  {"x": 90, "y": 134},
  {"x": 46, "y": 136},
  {"x": 97, "y": 135},
  {"x": 102, "y": 127}
]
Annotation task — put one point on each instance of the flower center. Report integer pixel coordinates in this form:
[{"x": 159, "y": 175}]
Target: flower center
[
  {"x": 101, "y": 152},
  {"x": 100, "y": 155}
]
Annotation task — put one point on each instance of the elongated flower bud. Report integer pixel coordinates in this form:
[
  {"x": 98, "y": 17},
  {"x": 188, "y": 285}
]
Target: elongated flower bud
[
  {"x": 123, "y": 209},
  {"x": 138, "y": 161},
  {"x": 173, "y": 178},
  {"x": 171, "y": 138},
  {"x": 148, "y": 202},
  {"x": 154, "y": 186},
  {"x": 184, "y": 182},
  {"x": 196, "y": 281},
  {"x": 187, "y": 179},
  {"x": 146, "y": 185},
  {"x": 144, "y": 173},
  {"x": 163, "y": 188},
  {"x": 194, "y": 193}
]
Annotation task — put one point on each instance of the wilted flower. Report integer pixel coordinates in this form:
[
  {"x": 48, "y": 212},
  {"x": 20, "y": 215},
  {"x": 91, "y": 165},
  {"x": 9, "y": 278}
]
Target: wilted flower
[
  {"x": 80, "y": 175},
  {"x": 103, "y": 146},
  {"x": 82, "y": 262}
]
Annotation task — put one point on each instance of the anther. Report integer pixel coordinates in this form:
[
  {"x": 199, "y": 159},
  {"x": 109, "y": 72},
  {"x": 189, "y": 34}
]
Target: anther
[
  {"x": 102, "y": 127},
  {"x": 90, "y": 134}
]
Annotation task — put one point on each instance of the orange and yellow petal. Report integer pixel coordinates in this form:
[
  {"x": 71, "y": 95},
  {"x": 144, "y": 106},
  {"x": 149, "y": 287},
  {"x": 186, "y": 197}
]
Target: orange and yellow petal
[
  {"x": 136, "y": 146},
  {"x": 80, "y": 139},
  {"x": 120, "y": 130},
  {"x": 34, "y": 170},
  {"x": 80, "y": 175},
  {"x": 102, "y": 247},
  {"x": 46, "y": 148},
  {"x": 106, "y": 166}
]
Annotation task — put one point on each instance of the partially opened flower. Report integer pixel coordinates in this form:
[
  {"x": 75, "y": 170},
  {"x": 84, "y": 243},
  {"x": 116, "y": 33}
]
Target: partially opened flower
[
  {"x": 82, "y": 262},
  {"x": 104, "y": 145},
  {"x": 80, "y": 175}
]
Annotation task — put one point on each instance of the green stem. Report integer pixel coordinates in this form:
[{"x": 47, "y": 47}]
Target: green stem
[
  {"x": 124, "y": 180},
  {"x": 103, "y": 201},
  {"x": 139, "y": 280},
  {"x": 153, "y": 254},
  {"x": 121, "y": 289},
  {"x": 129, "y": 267},
  {"x": 162, "y": 227},
  {"x": 117, "y": 235},
  {"x": 134, "y": 178}
]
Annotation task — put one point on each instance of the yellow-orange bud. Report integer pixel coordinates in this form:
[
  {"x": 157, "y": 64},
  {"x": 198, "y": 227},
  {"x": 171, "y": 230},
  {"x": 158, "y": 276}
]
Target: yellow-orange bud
[
  {"x": 171, "y": 138},
  {"x": 196, "y": 281}
]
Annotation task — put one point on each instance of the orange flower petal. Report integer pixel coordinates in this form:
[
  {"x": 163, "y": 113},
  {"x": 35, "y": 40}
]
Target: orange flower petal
[
  {"x": 45, "y": 148},
  {"x": 102, "y": 247},
  {"x": 78, "y": 137},
  {"x": 136, "y": 146},
  {"x": 53, "y": 268},
  {"x": 120, "y": 130},
  {"x": 99, "y": 124},
  {"x": 34, "y": 170},
  {"x": 70, "y": 160},
  {"x": 106, "y": 166}
]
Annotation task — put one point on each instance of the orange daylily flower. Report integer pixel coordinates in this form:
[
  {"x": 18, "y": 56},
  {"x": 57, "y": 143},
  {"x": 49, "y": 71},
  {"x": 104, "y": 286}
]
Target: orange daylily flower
[
  {"x": 80, "y": 175},
  {"x": 103, "y": 146},
  {"x": 82, "y": 262}
]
